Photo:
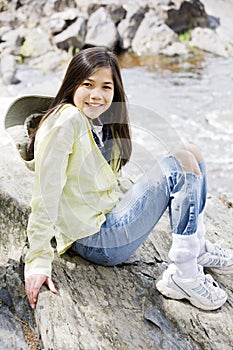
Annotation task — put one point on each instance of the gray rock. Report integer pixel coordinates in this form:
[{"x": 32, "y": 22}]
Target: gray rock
[
  {"x": 209, "y": 40},
  {"x": 15, "y": 193},
  {"x": 4, "y": 29},
  {"x": 152, "y": 35},
  {"x": 55, "y": 59},
  {"x": 30, "y": 47},
  {"x": 3, "y": 5},
  {"x": 8, "y": 67},
  {"x": 101, "y": 31},
  {"x": 224, "y": 15},
  {"x": 190, "y": 14},
  {"x": 14, "y": 39},
  {"x": 58, "y": 21},
  {"x": 12, "y": 336},
  {"x": 122, "y": 306},
  {"x": 56, "y": 25},
  {"x": 8, "y": 18},
  {"x": 29, "y": 12},
  {"x": 15, "y": 312},
  {"x": 102, "y": 307},
  {"x": 116, "y": 12},
  {"x": 73, "y": 36},
  {"x": 176, "y": 49},
  {"x": 128, "y": 27},
  {"x": 52, "y": 6}
]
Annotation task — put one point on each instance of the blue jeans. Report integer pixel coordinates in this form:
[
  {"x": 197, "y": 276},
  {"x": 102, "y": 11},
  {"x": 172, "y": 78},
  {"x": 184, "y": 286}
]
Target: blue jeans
[{"x": 135, "y": 215}]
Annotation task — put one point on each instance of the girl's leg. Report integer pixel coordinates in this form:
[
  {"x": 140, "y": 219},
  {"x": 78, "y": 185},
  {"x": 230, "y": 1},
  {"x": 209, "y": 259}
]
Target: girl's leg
[
  {"x": 210, "y": 255},
  {"x": 185, "y": 279},
  {"x": 201, "y": 229},
  {"x": 131, "y": 221},
  {"x": 185, "y": 243},
  {"x": 194, "y": 150},
  {"x": 134, "y": 217},
  {"x": 193, "y": 162}
]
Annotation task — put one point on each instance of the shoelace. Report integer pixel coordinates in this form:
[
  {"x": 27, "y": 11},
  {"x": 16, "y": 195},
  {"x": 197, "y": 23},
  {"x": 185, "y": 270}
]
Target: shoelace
[
  {"x": 210, "y": 285},
  {"x": 220, "y": 252}
]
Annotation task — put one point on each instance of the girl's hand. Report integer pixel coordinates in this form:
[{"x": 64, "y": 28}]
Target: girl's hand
[{"x": 33, "y": 284}]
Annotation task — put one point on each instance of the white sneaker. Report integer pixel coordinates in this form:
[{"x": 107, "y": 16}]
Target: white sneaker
[
  {"x": 202, "y": 292},
  {"x": 219, "y": 260}
]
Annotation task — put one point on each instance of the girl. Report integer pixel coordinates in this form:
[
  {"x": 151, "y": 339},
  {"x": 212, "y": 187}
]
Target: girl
[{"x": 82, "y": 143}]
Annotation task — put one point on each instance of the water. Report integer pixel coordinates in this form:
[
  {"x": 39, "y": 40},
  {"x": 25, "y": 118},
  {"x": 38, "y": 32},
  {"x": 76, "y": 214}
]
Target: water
[
  {"x": 170, "y": 98},
  {"x": 195, "y": 97}
]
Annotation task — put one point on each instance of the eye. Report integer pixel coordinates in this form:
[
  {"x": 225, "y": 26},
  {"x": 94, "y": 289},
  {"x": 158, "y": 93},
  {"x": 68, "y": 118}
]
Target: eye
[
  {"x": 107, "y": 87},
  {"x": 86, "y": 84}
]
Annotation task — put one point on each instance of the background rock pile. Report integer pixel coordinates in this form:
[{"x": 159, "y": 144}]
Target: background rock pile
[{"x": 42, "y": 33}]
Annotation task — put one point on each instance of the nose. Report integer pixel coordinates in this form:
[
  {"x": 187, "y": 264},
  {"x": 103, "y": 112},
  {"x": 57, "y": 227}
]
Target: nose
[{"x": 95, "y": 94}]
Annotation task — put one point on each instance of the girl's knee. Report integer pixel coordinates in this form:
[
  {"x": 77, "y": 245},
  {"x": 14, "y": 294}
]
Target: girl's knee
[
  {"x": 188, "y": 161},
  {"x": 190, "y": 147}
]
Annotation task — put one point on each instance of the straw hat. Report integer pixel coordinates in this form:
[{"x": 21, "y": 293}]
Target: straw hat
[{"x": 20, "y": 115}]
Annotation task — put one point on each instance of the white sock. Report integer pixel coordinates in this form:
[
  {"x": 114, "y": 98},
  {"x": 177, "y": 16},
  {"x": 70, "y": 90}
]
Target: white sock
[
  {"x": 201, "y": 230},
  {"x": 183, "y": 253}
]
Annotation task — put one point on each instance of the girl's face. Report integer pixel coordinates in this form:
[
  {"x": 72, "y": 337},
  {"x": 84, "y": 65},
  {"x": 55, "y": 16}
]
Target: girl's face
[{"x": 95, "y": 94}]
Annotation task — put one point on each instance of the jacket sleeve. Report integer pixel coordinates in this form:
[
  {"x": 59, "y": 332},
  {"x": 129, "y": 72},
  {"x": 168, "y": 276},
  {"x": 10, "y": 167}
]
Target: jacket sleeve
[{"x": 51, "y": 161}]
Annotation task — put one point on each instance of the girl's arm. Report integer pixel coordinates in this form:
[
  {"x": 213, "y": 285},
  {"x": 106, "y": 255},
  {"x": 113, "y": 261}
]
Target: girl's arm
[{"x": 51, "y": 161}]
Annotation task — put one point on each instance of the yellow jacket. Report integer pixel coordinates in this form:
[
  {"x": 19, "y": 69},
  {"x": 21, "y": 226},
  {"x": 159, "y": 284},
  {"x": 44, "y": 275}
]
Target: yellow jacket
[{"x": 74, "y": 187}]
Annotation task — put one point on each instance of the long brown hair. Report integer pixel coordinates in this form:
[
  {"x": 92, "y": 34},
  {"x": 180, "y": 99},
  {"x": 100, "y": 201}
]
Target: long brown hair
[{"x": 84, "y": 64}]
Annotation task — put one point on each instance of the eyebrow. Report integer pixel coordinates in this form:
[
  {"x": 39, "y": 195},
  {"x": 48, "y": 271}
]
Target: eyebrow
[{"x": 105, "y": 82}]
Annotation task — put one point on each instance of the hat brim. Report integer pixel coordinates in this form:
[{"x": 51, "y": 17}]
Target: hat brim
[{"x": 24, "y": 106}]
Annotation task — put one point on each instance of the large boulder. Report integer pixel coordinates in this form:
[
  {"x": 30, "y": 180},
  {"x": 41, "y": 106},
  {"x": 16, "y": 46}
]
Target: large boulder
[
  {"x": 188, "y": 15},
  {"x": 116, "y": 12},
  {"x": 73, "y": 36},
  {"x": 99, "y": 307},
  {"x": 127, "y": 27},
  {"x": 59, "y": 21},
  {"x": 208, "y": 40},
  {"x": 8, "y": 67},
  {"x": 221, "y": 41},
  {"x": 30, "y": 47},
  {"x": 101, "y": 30},
  {"x": 152, "y": 35}
]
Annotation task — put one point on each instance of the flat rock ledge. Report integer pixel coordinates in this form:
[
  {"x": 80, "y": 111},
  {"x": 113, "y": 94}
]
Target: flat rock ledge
[{"x": 102, "y": 307}]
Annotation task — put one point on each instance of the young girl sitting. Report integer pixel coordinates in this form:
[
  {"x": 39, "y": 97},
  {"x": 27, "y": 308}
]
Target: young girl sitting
[{"x": 82, "y": 143}]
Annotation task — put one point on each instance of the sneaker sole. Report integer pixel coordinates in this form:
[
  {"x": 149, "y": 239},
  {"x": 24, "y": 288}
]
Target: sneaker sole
[{"x": 179, "y": 295}]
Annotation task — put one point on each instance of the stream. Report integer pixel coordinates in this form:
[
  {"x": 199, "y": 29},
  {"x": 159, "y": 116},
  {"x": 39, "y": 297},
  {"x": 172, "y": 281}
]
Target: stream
[{"x": 195, "y": 97}]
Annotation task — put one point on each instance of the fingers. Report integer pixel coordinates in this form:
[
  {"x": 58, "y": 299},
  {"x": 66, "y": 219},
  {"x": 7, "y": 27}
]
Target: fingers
[
  {"x": 33, "y": 284},
  {"x": 50, "y": 285}
]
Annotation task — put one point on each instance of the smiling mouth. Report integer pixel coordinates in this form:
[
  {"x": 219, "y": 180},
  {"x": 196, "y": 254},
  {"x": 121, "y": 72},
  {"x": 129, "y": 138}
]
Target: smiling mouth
[{"x": 94, "y": 105}]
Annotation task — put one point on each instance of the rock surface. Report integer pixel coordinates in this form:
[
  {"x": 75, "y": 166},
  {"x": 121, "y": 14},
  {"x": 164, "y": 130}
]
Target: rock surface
[{"x": 102, "y": 307}]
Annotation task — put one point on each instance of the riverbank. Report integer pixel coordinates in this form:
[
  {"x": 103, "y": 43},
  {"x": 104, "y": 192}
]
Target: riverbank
[{"x": 44, "y": 34}]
